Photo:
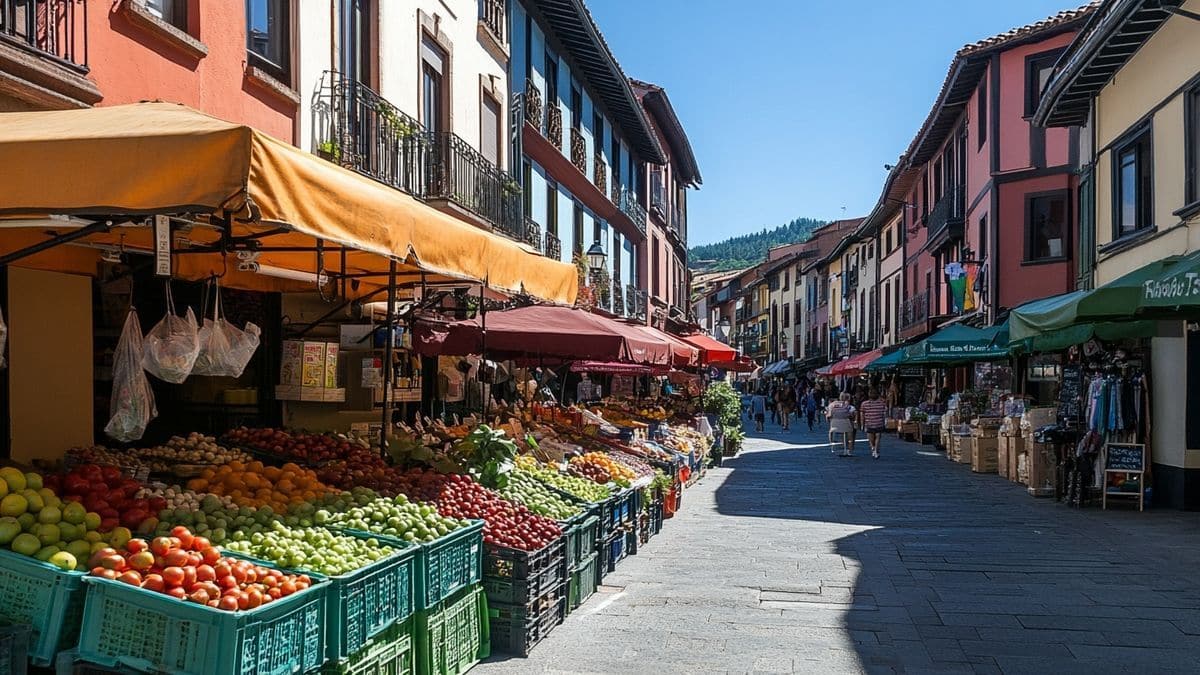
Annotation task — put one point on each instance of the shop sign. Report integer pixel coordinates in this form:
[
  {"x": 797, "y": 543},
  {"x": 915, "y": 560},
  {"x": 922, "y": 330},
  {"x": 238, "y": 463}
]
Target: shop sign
[
  {"x": 1176, "y": 287},
  {"x": 1124, "y": 472},
  {"x": 910, "y": 371},
  {"x": 162, "y": 246}
]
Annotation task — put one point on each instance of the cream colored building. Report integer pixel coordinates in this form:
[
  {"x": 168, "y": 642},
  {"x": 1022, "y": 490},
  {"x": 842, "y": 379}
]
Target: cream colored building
[{"x": 1131, "y": 80}]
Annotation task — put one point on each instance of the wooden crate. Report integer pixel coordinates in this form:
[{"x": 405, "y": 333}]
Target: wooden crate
[
  {"x": 1043, "y": 469},
  {"x": 910, "y": 431},
  {"x": 1010, "y": 448},
  {"x": 984, "y": 455},
  {"x": 960, "y": 449}
]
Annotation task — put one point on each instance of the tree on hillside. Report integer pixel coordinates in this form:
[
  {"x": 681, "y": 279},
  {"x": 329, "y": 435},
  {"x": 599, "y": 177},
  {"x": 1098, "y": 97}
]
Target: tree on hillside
[{"x": 749, "y": 249}]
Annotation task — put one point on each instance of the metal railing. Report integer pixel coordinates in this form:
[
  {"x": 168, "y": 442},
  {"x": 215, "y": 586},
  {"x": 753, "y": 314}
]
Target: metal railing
[
  {"x": 48, "y": 27},
  {"x": 357, "y": 128},
  {"x": 533, "y": 233},
  {"x": 600, "y": 173},
  {"x": 915, "y": 310},
  {"x": 491, "y": 13},
  {"x": 947, "y": 214},
  {"x": 635, "y": 301},
  {"x": 627, "y": 203},
  {"x": 554, "y": 129},
  {"x": 579, "y": 151},
  {"x": 533, "y": 103},
  {"x": 618, "y": 297},
  {"x": 553, "y": 247}
]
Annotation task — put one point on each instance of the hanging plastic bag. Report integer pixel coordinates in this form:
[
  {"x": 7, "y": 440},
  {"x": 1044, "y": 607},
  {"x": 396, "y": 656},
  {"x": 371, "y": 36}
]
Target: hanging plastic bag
[
  {"x": 3, "y": 341},
  {"x": 172, "y": 345},
  {"x": 224, "y": 348},
  {"x": 132, "y": 404}
]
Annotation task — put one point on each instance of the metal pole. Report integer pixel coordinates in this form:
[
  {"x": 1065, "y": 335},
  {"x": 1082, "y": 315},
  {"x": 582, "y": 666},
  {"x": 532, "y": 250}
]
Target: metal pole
[
  {"x": 385, "y": 431},
  {"x": 56, "y": 240},
  {"x": 483, "y": 347}
]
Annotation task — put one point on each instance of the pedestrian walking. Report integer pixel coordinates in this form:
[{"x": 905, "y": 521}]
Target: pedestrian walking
[
  {"x": 787, "y": 402},
  {"x": 809, "y": 404},
  {"x": 841, "y": 421},
  {"x": 758, "y": 409},
  {"x": 872, "y": 416},
  {"x": 771, "y": 403}
]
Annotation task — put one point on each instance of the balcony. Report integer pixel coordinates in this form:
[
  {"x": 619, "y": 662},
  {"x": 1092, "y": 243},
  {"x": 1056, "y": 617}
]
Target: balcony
[
  {"x": 945, "y": 221},
  {"x": 360, "y": 130},
  {"x": 915, "y": 311},
  {"x": 627, "y": 203},
  {"x": 600, "y": 173},
  {"x": 491, "y": 15},
  {"x": 618, "y": 297},
  {"x": 553, "y": 248},
  {"x": 49, "y": 28},
  {"x": 553, "y": 130},
  {"x": 635, "y": 302},
  {"x": 533, "y": 233},
  {"x": 533, "y": 104},
  {"x": 579, "y": 151}
]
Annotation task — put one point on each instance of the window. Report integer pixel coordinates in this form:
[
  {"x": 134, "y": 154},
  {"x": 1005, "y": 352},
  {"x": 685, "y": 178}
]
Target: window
[
  {"x": 1133, "y": 173},
  {"x": 983, "y": 239},
  {"x": 576, "y": 108},
  {"x": 1192, "y": 140},
  {"x": 527, "y": 185},
  {"x": 786, "y": 283},
  {"x": 787, "y": 317},
  {"x": 173, "y": 12},
  {"x": 616, "y": 160},
  {"x": 552, "y": 208},
  {"x": 489, "y": 129},
  {"x": 887, "y": 308},
  {"x": 1038, "y": 69},
  {"x": 597, "y": 131},
  {"x": 434, "y": 92},
  {"x": 358, "y": 50},
  {"x": 1046, "y": 223},
  {"x": 981, "y": 112},
  {"x": 267, "y": 36},
  {"x": 578, "y": 229},
  {"x": 797, "y": 314},
  {"x": 888, "y": 240},
  {"x": 551, "y": 80}
]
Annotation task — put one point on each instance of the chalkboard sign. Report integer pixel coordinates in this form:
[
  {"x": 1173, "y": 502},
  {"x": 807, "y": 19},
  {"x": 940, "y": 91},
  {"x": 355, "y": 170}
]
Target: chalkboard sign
[
  {"x": 1125, "y": 457},
  {"x": 1070, "y": 395}
]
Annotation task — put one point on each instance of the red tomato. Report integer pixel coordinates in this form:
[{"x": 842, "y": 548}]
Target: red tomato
[
  {"x": 227, "y": 581},
  {"x": 104, "y": 572},
  {"x": 199, "y": 596},
  {"x": 228, "y": 603},
  {"x": 184, "y": 536},
  {"x": 205, "y": 573},
  {"x": 160, "y": 545},
  {"x": 113, "y": 562},
  {"x": 254, "y": 599},
  {"x": 132, "y": 578},
  {"x": 222, "y": 569},
  {"x": 176, "y": 558},
  {"x": 288, "y": 587},
  {"x": 210, "y": 556},
  {"x": 154, "y": 582},
  {"x": 177, "y": 593},
  {"x": 199, "y": 544},
  {"x": 137, "y": 545},
  {"x": 274, "y": 593},
  {"x": 173, "y": 576},
  {"x": 189, "y": 577},
  {"x": 142, "y": 560}
]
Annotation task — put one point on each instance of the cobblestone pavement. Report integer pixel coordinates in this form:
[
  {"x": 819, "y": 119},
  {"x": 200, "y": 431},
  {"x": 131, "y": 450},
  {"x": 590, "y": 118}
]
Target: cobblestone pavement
[{"x": 790, "y": 559}]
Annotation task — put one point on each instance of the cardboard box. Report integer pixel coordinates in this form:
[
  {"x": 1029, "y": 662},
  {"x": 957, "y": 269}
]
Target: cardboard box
[
  {"x": 1010, "y": 448},
  {"x": 961, "y": 449},
  {"x": 1043, "y": 469},
  {"x": 291, "y": 362},
  {"x": 983, "y": 455},
  {"x": 331, "y": 366}
]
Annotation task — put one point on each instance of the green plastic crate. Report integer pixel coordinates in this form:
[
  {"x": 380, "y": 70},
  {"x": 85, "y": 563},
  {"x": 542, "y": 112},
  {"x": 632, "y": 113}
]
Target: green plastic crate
[
  {"x": 364, "y": 602},
  {"x": 452, "y": 637},
  {"x": 45, "y": 597},
  {"x": 585, "y": 540},
  {"x": 583, "y": 583},
  {"x": 448, "y": 564},
  {"x": 389, "y": 653},
  {"x": 14, "y": 648},
  {"x": 127, "y": 627}
]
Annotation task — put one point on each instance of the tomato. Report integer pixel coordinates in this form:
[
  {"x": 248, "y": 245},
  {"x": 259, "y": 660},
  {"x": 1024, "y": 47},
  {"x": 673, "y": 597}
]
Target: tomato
[
  {"x": 154, "y": 582},
  {"x": 184, "y": 536},
  {"x": 210, "y": 556},
  {"x": 198, "y": 544},
  {"x": 270, "y": 581},
  {"x": 215, "y": 604},
  {"x": 132, "y": 578},
  {"x": 177, "y": 593},
  {"x": 254, "y": 599},
  {"x": 228, "y": 603},
  {"x": 189, "y": 577},
  {"x": 199, "y": 596},
  {"x": 243, "y": 601},
  {"x": 173, "y": 576},
  {"x": 274, "y": 593},
  {"x": 239, "y": 572},
  {"x": 205, "y": 573},
  {"x": 136, "y": 545},
  {"x": 222, "y": 569},
  {"x": 113, "y": 562},
  {"x": 143, "y": 560},
  {"x": 287, "y": 588},
  {"x": 104, "y": 573},
  {"x": 160, "y": 546},
  {"x": 227, "y": 581},
  {"x": 176, "y": 558}
]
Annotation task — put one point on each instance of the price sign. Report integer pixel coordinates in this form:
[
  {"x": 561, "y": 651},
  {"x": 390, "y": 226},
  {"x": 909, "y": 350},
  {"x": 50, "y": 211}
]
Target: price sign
[
  {"x": 162, "y": 246},
  {"x": 1124, "y": 472}
]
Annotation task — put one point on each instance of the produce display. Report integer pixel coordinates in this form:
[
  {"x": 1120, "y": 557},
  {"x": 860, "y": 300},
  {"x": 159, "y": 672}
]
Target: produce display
[
  {"x": 253, "y": 484},
  {"x": 525, "y": 489},
  {"x": 36, "y": 523},
  {"x": 633, "y": 463},
  {"x": 364, "y": 510},
  {"x": 188, "y": 568},
  {"x": 217, "y": 519},
  {"x": 314, "y": 549},
  {"x": 588, "y": 463},
  {"x": 583, "y": 488},
  {"x": 309, "y": 449},
  {"x": 108, "y": 492},
  {"x": 193, "y": 449}
]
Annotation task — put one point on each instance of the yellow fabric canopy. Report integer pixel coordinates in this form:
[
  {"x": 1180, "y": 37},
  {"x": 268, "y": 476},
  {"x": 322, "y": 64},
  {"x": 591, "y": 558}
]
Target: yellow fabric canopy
[{"x": 163, "y": 158}]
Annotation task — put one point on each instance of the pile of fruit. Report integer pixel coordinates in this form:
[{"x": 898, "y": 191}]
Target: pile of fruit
[
  {"x": 525, "y": 489},
  {"x": 314, "y": 549},
  {"x": 195, "y": 448},
  {"x": 302, "y": 448},
  {"x": 190, "y": 569},
  {"x": 108, "y": 492},
  {"x": 36, "y": 523},
  {"x": 633, "y": 463},
  {"x": 583, "y": 488},
  {"x": 252, "y": 484},
  {"x": 618, "y": 473},
  {"x": 397, "y": 517},
  {"x": 217, "y": 519}
]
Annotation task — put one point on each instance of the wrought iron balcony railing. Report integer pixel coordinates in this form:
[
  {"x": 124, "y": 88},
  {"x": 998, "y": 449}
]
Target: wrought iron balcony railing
[
  {"x": 360, "y": 130},
  {"x": 627, "y": 203},
  {"x": 533, "y": 233},
  {"x": 553, "y": 248},
  {"x": 600, "y": 173},
  {"x": 635, "y": 302},
  {"x": 533, "y": 103},
  {"x": 579, "y": 151},
  {"x": 946, "y": 218},
  {"x": 491, "y": 13},
  {"x": 53, "y": 28},
  {"x": 915, "y": 310},
  {"x": 618, "y": 297},
  {"x": 554, "y": 128}
]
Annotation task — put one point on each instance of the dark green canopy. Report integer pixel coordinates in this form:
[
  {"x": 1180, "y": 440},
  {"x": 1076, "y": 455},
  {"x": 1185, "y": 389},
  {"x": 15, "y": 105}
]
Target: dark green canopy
[
  {"x": 960, "y": 344},
  {"x": 1177, "y": 286},
  {"x": 886, "y": 362}
]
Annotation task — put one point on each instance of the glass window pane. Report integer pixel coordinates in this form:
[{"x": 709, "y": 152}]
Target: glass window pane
[{"x": 1128, "y": 191}]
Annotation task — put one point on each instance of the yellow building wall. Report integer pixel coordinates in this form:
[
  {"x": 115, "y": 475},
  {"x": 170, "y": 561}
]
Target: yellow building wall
[{"x": 834, "y": 274}]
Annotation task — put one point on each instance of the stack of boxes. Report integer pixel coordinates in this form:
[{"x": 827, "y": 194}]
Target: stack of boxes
[
  {"x": 1012, "y": 447},
  {"x": 308, "y": 371},
  {"x": 984, "y": 444},
  {"x": 1039, "y": 470}
]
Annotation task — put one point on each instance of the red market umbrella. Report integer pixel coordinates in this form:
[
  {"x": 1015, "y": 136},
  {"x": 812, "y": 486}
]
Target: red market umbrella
[
  {"x": 855, "y": 364},
  {"x": 743, "y": 364},
  {"x": 617, "y": 368},
  {"x": 682, "y": 353},
  {"x": 710, "y": 349}
]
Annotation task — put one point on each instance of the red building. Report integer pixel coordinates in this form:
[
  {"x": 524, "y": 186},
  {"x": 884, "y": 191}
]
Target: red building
[{"x": 985, "y": 187}]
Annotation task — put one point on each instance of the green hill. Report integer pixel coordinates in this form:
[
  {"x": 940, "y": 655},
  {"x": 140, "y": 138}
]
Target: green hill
[{"x": 749, "y": 249}]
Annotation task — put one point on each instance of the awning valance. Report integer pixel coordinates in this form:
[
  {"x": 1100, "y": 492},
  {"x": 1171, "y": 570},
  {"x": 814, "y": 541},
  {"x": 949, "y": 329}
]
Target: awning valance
[
  {"x": 710, "y": 349},
  {"x": 855, "y": 364},
  {"x": 160, "y": 158},
  {"x": 959, "y": 344}
]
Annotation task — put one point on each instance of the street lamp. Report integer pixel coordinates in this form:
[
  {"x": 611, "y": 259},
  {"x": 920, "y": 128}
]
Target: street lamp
[
  {"x": 596, "y": 257},
  {"x": 723, "y": 328}
]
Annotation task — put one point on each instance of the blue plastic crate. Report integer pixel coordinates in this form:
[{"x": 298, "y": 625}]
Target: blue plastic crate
[
  {"x": 127, "y": 627},
  {"x": 448, "y": 564},
  {"x": 14, "y": 648},
  {"x": 45, "y": 597}
]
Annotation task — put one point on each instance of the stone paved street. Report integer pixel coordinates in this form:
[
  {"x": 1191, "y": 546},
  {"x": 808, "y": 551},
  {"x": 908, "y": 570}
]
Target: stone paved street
[{"x": 789, "y": 559}]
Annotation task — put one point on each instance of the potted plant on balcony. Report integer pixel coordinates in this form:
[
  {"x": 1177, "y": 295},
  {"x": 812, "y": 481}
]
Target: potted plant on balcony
[
  {"x": 585, "y": 298},
  {"x": 329, "y": 150}
]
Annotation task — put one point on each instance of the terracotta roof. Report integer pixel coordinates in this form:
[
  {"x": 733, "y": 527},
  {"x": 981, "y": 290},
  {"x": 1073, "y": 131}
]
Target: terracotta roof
[
  {"x": 662, "y": 116},
  {"x": 1030, "y": 30}
]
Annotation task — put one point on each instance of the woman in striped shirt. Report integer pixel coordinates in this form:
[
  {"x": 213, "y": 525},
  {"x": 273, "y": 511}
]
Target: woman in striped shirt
[{"x": 872, "y": 414}]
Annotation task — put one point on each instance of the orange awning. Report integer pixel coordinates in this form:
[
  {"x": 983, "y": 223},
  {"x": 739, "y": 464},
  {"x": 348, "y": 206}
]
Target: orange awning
[{"x": 161, "y": 158}]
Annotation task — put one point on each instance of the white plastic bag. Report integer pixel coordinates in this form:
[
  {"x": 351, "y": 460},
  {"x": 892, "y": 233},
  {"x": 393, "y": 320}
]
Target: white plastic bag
[
  {"x": 3, "y": 341},
  {"x": 132, "y": 404},
  {"x": 172, "y": 345},
  {"x": 224, "y": 349}
]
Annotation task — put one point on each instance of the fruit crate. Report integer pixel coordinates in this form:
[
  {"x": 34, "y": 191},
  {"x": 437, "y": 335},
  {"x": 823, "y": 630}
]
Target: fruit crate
[
  {"x": 516, "y": 632},
  {"x": 524, "y": 591},
  {"x": 453, "y": 636},
  {"x": 14, "y": 649},
  {"x": 612, "y": 552},
  {"x": 581, "y": 538},
  {"x": 501, "y": 562},
  {"x": 448, "y": 564},
  {"x": 366, "y": 601},
  {"x": 68, "y": 663},
  {"x": 133, "y": 629},
  {"x": 656, "y": 518},
  {"x": 583, "y": 583},
  {"x": 388, "y": 653},
  {"x": 45, "y": 597}
]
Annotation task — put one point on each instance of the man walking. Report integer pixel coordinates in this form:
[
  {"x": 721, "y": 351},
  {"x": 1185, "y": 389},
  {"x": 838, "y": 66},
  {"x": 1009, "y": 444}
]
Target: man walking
[
  {"x": 758, "y": 410},
  {"x": 872, "y": 416},
  {"x": 809, "y": 404}
]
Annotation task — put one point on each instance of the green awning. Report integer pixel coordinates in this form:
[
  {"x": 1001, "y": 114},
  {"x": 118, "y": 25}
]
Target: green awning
[
  {"x": 960, "y": 344},
  {"x": 1178, "y": 286},
  {"x": 1058, "y": 340},
  {"x": 1115, "y": 301},
  {"x": 886, "y": 362}
]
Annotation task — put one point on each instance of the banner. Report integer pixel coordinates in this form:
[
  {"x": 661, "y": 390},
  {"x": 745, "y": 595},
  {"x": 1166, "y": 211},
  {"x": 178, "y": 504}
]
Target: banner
[
  {"x": 970, "y": 303},
  {"x": 961, "y": 277}
]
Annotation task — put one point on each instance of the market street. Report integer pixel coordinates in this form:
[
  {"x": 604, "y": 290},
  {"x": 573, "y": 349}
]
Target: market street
[{"x": 789, "y": 559}]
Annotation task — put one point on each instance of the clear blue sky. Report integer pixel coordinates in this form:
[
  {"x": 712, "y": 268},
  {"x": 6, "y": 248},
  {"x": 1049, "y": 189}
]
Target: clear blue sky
[{"x": 793, "y": 107}]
